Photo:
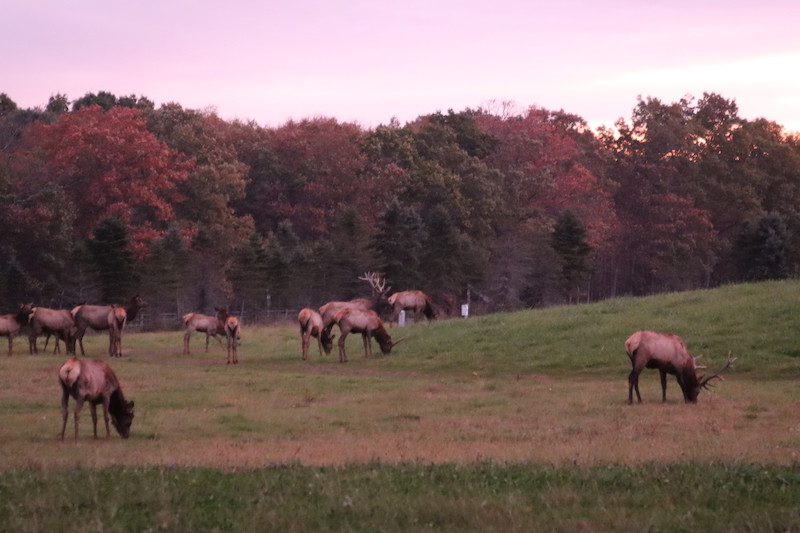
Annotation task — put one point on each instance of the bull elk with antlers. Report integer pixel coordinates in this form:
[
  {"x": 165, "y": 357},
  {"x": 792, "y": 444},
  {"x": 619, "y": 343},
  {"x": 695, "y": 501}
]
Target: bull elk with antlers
[
  {"x": 368, "y": 323},
  {"x": 667, "y": 353}
]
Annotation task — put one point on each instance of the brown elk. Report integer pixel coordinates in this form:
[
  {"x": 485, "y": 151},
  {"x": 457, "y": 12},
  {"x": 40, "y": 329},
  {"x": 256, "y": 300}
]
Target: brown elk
[
  {"x": 211, "y": 326},
  {"x": 11, "y": 324},
  {"x": 117, "y": 319},
  {"x": 667, "y": 353},
  {"x": 311, "y": 325},
  {"x": 366, "y": 322},
  {"x": 232, "y": 333},
  {"x": 98, "y": 317},
  {"x": 95, "y": 382},
  {"x": 416, "y": 301},
  {"x": 58, "y": 322},
  {"x": 377, "y": 303}
]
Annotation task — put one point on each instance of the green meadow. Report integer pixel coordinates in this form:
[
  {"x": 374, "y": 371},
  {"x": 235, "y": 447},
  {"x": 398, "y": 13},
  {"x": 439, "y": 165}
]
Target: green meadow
[{"x": 507, "y": 422}]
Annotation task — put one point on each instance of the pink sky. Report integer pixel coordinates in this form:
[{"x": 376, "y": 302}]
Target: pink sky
[{"x": 367, "y": 61}]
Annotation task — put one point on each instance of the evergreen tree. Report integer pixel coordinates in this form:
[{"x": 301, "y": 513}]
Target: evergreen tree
[
  {"x": 569, "y": 242},
  {"x": 398, "y": 245},
  {"x": 761, "y": 249},
  {"x": 114, "y": 260}
]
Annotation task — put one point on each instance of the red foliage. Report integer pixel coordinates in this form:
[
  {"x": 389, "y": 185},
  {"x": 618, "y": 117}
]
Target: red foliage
[
  {"x": 108, "y": 165},
  {"x": 546, "y": 160}
]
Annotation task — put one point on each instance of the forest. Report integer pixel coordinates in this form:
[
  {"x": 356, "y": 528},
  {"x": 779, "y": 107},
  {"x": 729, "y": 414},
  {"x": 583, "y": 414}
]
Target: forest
[{"x": 109, "y": 196}]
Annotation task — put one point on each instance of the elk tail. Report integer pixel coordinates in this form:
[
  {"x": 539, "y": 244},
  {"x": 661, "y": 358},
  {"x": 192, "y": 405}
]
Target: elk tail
[{"x": 69, "y": 372}]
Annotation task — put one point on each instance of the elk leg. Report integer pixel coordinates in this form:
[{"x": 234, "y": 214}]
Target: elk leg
[
  {"x": 342, "y": 352},
  {"x": 663, "y": 386},
  {"x": 633, "y": 384},
  {"x": 304, "y": 343},
  {"x": 106, "y": 403},
  {"x": 93, "y": 409},
  {"x": 64, "y": 410},
  {"x": 367, "y": 345},
  {"x": 76, "y": 415},
  {"x": 10, "y": 344},
  {"x": 207, "y": 337}
]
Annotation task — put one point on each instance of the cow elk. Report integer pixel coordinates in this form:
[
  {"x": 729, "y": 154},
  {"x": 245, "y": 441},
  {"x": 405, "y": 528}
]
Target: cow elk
[
  {"x": 667, "y": 353},
  {"x": 95, "y": 382},
  {"x": 377, "y": 303},
  {"x": 211, "y": 326},
  {"x": 232, "y": 333},
  {"x": 98, "y": 317},
  {"x": 57, "y": 322},
  {"x": 415, "y": 301},
  {"x": 117, "y": 319},
  {"x": 11, "y": 324},
  {"x": 311, "y": 325},
  {"x": 366, "y": 322}
]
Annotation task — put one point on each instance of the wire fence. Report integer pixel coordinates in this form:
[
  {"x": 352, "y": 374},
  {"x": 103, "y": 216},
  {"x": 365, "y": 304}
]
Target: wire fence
[{"x": 145, "y": 321}]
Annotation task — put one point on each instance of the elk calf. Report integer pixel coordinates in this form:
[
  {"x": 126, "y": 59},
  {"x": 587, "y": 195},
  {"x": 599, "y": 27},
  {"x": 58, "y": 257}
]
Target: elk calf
[
  {"x": 311, "y": 325},
  {"x": 667, "y": 353},
  {"x": 95, "y": 382}
]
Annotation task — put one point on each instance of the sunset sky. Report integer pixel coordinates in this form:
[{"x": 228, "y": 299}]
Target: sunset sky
[{"x": 367, "y": 61}]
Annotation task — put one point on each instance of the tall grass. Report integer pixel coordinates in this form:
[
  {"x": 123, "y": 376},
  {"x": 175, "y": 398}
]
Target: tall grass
[{"x": 515, "y": 421}]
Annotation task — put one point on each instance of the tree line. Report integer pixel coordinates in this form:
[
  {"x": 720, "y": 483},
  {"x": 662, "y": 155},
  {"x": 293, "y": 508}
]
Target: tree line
[{"x": 105, "y": 196}]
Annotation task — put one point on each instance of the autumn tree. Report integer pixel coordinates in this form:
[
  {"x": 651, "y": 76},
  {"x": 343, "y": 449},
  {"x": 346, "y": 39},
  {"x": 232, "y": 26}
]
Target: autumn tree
[
  {"x": 206, "y": 212},
  {"x": 106, "y": 165}
]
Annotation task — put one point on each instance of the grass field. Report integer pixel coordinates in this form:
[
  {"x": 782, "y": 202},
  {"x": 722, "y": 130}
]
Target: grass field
[{"x": 508, "y": 422}]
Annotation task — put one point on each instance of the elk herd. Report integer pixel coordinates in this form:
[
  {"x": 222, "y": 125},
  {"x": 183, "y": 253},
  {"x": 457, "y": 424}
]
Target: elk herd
[{"x": 94, "y": 381}]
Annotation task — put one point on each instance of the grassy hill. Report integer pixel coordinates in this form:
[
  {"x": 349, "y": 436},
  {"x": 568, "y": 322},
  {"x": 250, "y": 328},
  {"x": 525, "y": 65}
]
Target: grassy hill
[{"x": 508, "y": 422}]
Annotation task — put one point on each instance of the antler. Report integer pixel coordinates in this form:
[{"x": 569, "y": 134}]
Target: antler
[
  {"x": 378, "y": 286},
  {"x": 704, "y": 382},
  {"x": 398, "y": 341},
  {"x": 694, "y": 361}
]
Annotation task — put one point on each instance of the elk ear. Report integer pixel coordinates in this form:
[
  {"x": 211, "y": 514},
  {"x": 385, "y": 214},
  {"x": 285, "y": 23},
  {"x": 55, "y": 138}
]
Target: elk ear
[{"x": 130, "y": 404}]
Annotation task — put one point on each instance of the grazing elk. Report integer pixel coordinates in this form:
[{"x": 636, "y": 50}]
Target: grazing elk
[
  {"x": 95, "y": 382},
  {"x": 98, "y": 317},
  {"x": 58, "y": 322},
  {"x": 11, "y": 324},
  {"x": 377, "y": 303},
  {"x": 211, "y": 326},
  {"x": 416, "y": 301},
  {"x": 667, "y": 353},
  {"x": 366, "y": 322},
  {"x": 311, "y": 326}
]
